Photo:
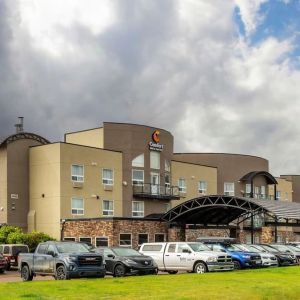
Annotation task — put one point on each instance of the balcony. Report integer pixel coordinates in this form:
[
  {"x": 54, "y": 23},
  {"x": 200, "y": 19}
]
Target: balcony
[
  {"x": 259, "y": 196},
  {"x": 155, "y": 191}
]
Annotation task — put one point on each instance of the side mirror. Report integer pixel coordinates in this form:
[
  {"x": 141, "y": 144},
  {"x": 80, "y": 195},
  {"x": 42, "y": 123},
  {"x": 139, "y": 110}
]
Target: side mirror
[
  {"x": 110, "y": 256},
  {"x": 51, "y": 252}
]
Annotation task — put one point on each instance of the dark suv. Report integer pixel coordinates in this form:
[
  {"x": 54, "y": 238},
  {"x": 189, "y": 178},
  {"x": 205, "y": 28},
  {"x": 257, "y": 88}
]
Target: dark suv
[
  {"x": 120, "y": 261},
  {"x": 11, "y": 253}
]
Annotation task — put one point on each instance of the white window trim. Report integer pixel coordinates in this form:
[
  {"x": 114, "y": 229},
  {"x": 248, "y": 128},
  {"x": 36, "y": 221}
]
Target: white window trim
[
  {"x": 108, "y": 179},
  {"x": 108, "y": 215},
  {"x": 69, "y": 237},
  {"x": 80, "y": 176},
  {"x": 145, "y": 234},
  {"x": 130, "y": 239},
  {"x": 183, "y": 188},
  {"x": 85, "y": 237},
  {"x": 136, "y": 211},
  {"x": 140, "y": 182},
  {"x": 77, "y": 208},
  {"x": 99, "y": 237},
  {"x": 229, "y": 193}
]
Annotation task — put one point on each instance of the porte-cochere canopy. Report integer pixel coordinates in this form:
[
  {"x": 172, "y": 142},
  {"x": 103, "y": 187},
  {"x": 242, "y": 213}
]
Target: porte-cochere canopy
[{"x": 222, "y": 210}]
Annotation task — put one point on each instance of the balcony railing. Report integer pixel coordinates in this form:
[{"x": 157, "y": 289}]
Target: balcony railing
[
  {"x": 155, "y": 191},
  {"x": 259, "y": 196}
]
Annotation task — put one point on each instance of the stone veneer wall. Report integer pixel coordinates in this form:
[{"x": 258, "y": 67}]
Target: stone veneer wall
[
  {"x": 193, "y": 234},
  {"x": 112, "y": 228}
]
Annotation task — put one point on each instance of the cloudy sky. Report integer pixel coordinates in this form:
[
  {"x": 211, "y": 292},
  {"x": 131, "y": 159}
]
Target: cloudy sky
[{"x": 222, "y": 76}]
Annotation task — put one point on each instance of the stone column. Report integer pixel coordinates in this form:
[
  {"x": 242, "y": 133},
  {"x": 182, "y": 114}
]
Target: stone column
[
  {"x": 176, "y": 234},
  {"x": 266, "y": 235}
]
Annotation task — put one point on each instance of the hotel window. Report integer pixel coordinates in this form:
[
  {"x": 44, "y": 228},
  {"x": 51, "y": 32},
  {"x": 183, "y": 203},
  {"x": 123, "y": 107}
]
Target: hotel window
[
  {"x": 263, "y": 192},
  {"x": 248, "y": 189},
  {"x": 167, "y": 206},
  {"x": 182, "y": 185},
  {"x": 71, "y": 239},
  {"x": 159, "y": 237},
  {"x": 278, "y": 195},
  {"x": 167, "y": 166},
  {"x": 108, "y": 208},
  {"x": 137, "y": 177},
  {"x": 77, "y": 173},
  {"x": 86, "y": 240},
  {"x": 142, "y": 238},
  {"x": 202, "y": 187},
  {"x": 137, "y": 208},
  {"x": 125, "y": 239},
  {"x": 154, "y": 160},
  {"x": 77, "y": 206},
  {"x": 101, "y": 241},
  {"x": 229, "y": 188},
  {"x": 107, "y": 176},
  {"x": 167, "y": 182},
  {"x": 138, "y": 161}
]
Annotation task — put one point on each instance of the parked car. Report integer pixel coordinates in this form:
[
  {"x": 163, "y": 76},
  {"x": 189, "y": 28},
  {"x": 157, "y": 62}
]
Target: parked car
[
  {"x": 287, "y": 249},
  {"x": 187, "y": 256},
  {"x": 3, "y": 264},
  {"x": 11, "y": 253},
  {"x": 268, "y": 259},
  {"x": 63, "y": 260},
  {"x": 284, "y": 259},
  {"x": 240, "y": 258},
  {"x": 120, "y": 261}
]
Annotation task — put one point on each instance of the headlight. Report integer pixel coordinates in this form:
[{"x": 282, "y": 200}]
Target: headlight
[
  {"x": 130, "y": 261},
  {"x": 71, "y": 258},
  {"x": 212, "y": 259},
  {"x": 246, "y": 256}
]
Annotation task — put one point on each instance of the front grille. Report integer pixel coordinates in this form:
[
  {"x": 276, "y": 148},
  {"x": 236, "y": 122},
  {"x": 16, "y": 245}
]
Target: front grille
[
  {"x": 223, "y": 259},
  {"x": 90, "y": 260},
  {"x": 273, "y": 258},
  {"x": 255, "y": 257},
  {"x": 145, "y": 263}
]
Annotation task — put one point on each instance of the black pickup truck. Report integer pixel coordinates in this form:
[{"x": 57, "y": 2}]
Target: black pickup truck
[{"x": 63, "y": 260}]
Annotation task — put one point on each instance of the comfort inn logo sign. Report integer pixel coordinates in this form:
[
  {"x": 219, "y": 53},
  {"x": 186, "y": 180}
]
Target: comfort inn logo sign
[{"x": 154, "y": 144}]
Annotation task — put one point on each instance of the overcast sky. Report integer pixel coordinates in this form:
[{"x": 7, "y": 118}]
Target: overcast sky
[{"x": 222, "y": 76}]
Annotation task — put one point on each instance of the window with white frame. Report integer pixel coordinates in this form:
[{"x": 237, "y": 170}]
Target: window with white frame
[
  {"x": 142, "y": 238},
  {"x": 107, "y": 207},
  {"x": 108, "y": 176},
  {"x": 125, "y": 239},
  {"x": 138, "y": 161},
  {"x": 263, "y": 192},
  {"x": 167, "y": 181},
  {"x": 77, "y": 173},
  {"x": 248, "y": 189},
  {"x": 154, "y": 160},
  {"x": 101, "y": 241},
  {"x": 87, "y": 240},
  {"x": 202, "y": 187},
  {"x": 71, "y": 239},
  {"x": 138, "y": 208},
  {"x": 278, "y": 195},
  {"x": 229, "y": 188},
  {"x": 159, "y": 237},
  {"x": 182, "y": 185},
  {"x": 167, "y": 166},
  {"x": 137, "y": 177},
  {"x": 77, "y": 206}
]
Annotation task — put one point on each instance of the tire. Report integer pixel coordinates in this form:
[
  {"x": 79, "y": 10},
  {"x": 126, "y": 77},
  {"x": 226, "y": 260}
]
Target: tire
[
  {"x": 7, "y": 267},
  {"x": 119, "y": 271},
  {"x": 61, "y": 273},
  {"x": 200, "y": 268},
  {"x": 25, "y": 273},
  {"x": 236, "y": 265},
  {"x": 173, "y": 272},
  {"x": 2, "y": 271}
]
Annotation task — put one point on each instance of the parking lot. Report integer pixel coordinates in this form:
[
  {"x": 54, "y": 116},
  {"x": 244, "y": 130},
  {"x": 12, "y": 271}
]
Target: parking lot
[{"x": 14, "y": 276}]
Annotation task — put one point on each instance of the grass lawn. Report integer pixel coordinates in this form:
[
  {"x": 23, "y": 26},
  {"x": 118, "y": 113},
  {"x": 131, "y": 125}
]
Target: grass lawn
[{"x": 275, "y": 283}]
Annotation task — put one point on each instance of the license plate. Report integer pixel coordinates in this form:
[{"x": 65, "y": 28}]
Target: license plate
[{"x": 12, "y": 260}]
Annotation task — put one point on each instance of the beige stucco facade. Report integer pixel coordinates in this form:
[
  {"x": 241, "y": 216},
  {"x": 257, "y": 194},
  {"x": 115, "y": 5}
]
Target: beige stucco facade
[
  {"x": 193, "y": 173},
  {"x": 90, "y": 137},
  {"x": 52, "y": 188},
  {"x": 3, "y": 185},
  {"x": 285, "y": 187}
]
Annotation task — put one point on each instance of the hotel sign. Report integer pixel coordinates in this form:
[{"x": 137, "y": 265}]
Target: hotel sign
[{"x": 154, "y": 144}]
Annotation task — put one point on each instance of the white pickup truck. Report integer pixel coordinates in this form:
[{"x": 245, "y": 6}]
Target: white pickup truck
[{"x": 186, "y": 256}]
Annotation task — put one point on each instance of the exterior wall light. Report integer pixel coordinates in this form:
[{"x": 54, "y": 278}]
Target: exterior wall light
[{"x": 125, "y": 183}]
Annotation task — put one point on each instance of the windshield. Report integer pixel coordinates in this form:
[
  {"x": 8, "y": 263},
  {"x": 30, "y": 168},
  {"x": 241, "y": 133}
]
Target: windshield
[
  {"x": 258, "y": 247},
  {"x": 270, "y": 249},
  {"x": 240, "y": 247},
  {"x": 250, "y": 248},
  {"x": 232, "y": 248},
  {"x": 282, "y": 248},
  {"x": 293, "y": 248},
  {"x": 126, "y": 252},
  {"x": 197, "y": 247},
  {"x": 19, "y": 249},
  {"x": 71, "y": 248}
]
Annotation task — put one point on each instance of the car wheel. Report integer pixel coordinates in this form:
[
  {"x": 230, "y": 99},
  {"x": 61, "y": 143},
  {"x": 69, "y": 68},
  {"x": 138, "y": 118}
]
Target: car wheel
[
  {"x": 237, "y": 265},
  {"x": 2, "y": 271},
  {"x": 172, "y": 272},
  {"x": 8, "y": 267},
  {"x": 61, "y": 273},
  {"x": 200, "y": 268},
  {"x": 25, "y": 273},
  {"x": 119, "y": 271}
]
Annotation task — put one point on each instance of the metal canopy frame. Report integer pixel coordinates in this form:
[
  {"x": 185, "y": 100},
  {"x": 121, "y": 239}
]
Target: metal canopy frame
[
  {"x": 23, "y": 135},
  {"x": 225, "y": 210}
]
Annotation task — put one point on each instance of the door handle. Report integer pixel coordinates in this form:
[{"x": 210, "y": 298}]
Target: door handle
[
  {"x": 167, "y": 255},
  {"x": 178, "y": 255}
]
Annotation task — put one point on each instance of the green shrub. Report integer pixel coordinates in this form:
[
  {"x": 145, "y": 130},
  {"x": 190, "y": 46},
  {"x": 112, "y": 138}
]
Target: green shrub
[
  {"x": 32, "y": 239},
  {"x": 5, "y": 231}
]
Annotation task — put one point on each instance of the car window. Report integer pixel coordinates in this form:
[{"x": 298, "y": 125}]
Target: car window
[
  {"x": 6, "y": 250},
  {"x": 217, "y": 247},
  {"x": 42, "y": 249},
  {"x": 171, "y": 248},
  {"x": 182, "y": 247},
  {"x": 51, "y": 248},
  {"x": 19, "y": 249},
  {"x": 1, "y": 249},
  {"x": 198, "y": 247},
  {"x": 126, "y": 252},
  {"x": 72, "y": 247},
  {"x": 106, "y": 252}
]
